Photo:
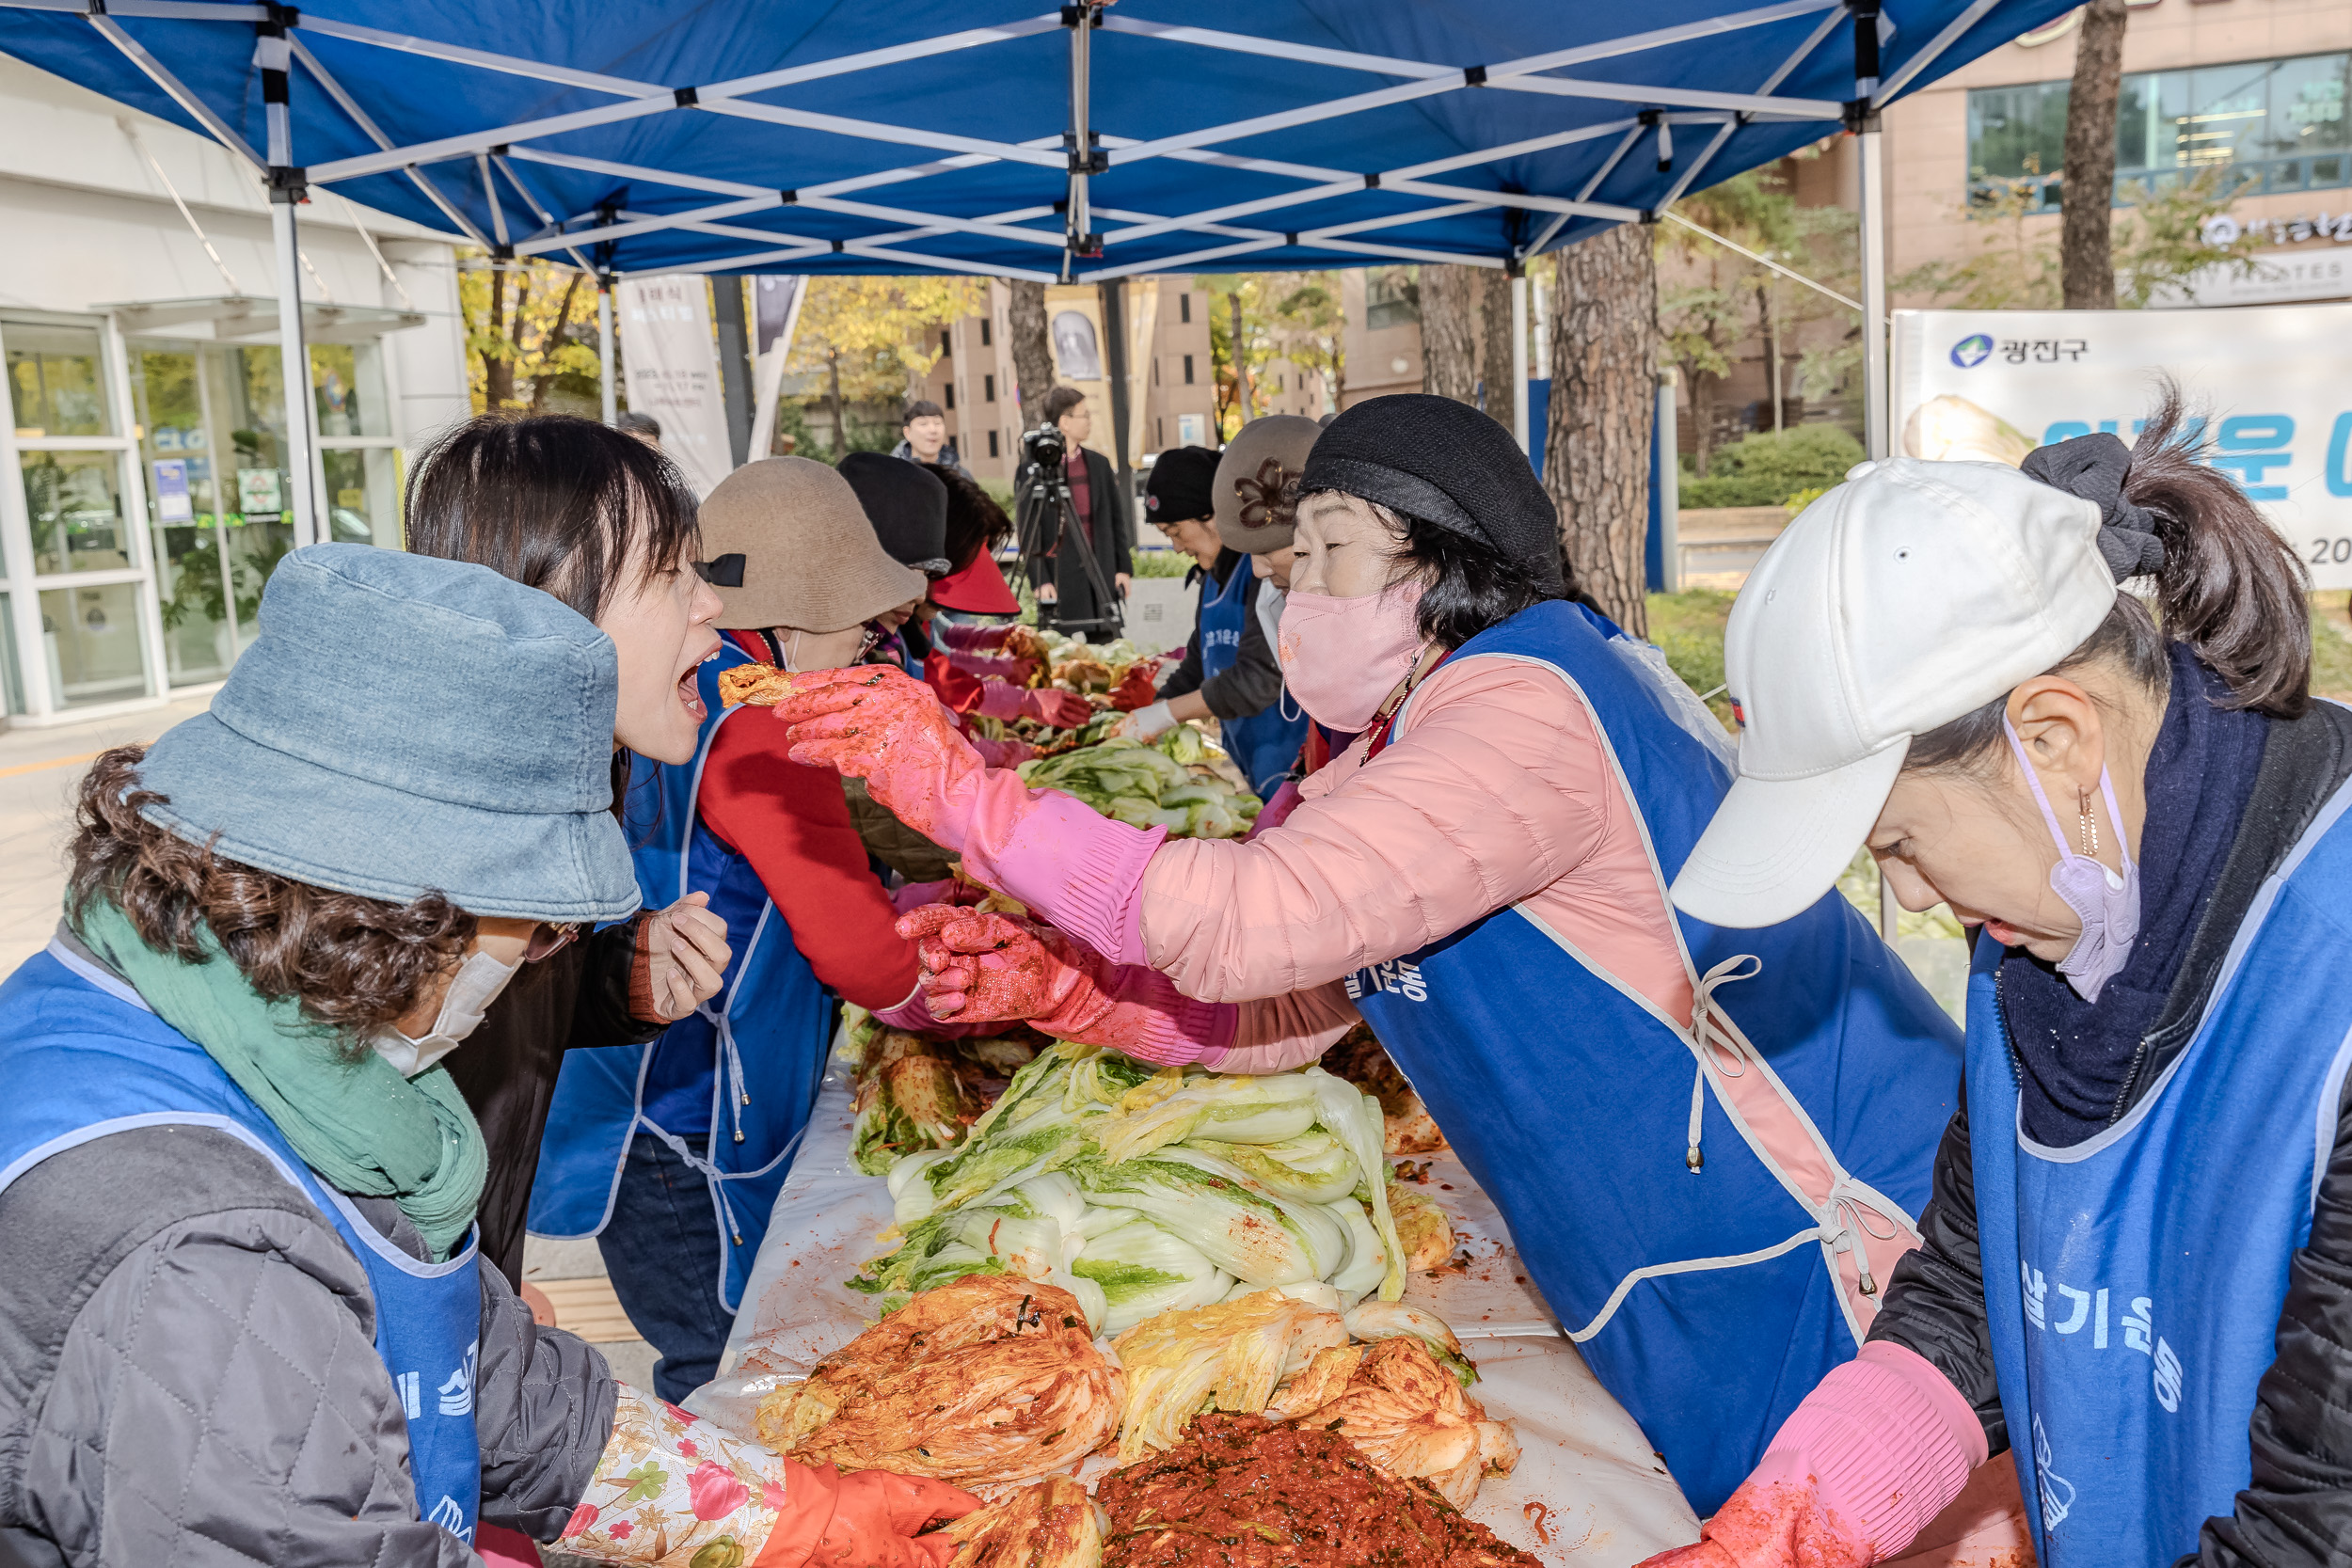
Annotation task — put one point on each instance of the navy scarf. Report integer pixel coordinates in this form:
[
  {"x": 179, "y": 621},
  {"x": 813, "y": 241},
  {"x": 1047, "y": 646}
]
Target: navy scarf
[{"x": 2078, "y": 1062}]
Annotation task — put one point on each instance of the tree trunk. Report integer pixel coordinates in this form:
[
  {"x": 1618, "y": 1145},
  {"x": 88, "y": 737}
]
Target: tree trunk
[
  {"x": 1241, "y": 361},
  {"x": 1449, "y": 332},
  {"x": 840, "y": 417},
  {"x": 2087, "y": 265},
  {"x": 1702, "y": 421},
  {"x": 1494, "y": 346},
  {"x": 558, "y": 334},
  {"x": 497, "y": 372},
  {"x": 1032, "y": 349},
  {"x": 1604, "y": 404}
]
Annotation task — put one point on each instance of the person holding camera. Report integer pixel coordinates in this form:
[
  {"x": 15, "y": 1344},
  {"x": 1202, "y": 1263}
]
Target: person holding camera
[{"x": 1067, "y": 593}]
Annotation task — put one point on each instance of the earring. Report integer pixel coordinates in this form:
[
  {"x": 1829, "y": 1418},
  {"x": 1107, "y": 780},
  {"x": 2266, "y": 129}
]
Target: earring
[{"x": 2089, "y": 824}]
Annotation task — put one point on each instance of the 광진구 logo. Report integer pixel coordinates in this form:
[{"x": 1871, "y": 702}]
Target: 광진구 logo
[{"x": 1973, "y": 350}]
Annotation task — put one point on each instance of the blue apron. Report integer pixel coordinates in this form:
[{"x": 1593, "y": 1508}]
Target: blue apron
[
  {"x": 2134, "y": 1282},
  {"x": 1708, "y": 1301},
  {"x": 759, "y": 1047},
  {"x": 1265, "y": 744},
  {"x": 83, "y": 1057}
]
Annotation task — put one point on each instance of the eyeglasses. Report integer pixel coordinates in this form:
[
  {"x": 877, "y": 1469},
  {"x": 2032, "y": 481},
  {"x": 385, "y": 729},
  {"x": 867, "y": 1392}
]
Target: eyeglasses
[{"x": 550, "y": 939}]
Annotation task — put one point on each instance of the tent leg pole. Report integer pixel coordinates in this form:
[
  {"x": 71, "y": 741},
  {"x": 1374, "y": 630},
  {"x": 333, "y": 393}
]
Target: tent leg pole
[
  {"x": 1519, "y": 360},
  {"x": 604, "y": 390},
  {"x": 1668, "y": 479},
  {"x": 1873, "y": 220},
  {"x": 301, "y": 449}
]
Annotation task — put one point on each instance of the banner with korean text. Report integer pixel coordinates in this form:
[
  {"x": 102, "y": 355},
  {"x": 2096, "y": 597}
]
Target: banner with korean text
[
  {"x": 2268, "y": 383},
  {"x": 672, "y": 364}
]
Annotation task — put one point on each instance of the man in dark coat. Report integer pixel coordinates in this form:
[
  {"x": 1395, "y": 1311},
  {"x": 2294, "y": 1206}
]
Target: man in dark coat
[{"x": 1065, "y": 589}]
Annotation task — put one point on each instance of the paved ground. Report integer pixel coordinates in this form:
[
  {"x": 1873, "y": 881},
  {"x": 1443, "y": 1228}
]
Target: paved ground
[{"x": 39, "y": 771}]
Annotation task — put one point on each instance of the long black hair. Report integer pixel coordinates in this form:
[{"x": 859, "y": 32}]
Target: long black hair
[
  {"x": 2229, "y": 588},
  {"x": 555, "y": 502}
]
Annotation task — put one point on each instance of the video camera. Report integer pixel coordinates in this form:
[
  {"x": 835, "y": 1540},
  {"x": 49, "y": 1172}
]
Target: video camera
[{"x": 1045, "y": 447}]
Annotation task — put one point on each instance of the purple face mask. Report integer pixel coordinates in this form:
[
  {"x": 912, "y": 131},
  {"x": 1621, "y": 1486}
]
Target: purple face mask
[{"x": 2107, "y": 904}]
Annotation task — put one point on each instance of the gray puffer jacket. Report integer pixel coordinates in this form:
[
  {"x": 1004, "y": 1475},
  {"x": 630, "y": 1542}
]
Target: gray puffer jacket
[{"x": 188, "y": 1374}]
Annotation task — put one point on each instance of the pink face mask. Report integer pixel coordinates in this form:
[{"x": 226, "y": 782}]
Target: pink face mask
[{"x": 1342, "y": 658}]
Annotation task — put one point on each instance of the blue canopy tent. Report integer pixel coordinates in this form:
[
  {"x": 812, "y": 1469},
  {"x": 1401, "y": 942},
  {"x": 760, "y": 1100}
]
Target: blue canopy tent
[{"x": 983, "y": 137}]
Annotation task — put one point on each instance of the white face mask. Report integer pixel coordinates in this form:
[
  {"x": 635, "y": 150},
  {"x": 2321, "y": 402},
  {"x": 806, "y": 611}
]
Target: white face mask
[{"x": 471, "y": 990}]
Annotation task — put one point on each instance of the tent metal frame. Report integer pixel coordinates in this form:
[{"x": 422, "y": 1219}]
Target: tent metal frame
[{"x": 1075, "y": 250}]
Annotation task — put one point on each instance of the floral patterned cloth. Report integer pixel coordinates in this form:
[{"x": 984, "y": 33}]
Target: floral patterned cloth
[{"x": 675, "y": 1491}]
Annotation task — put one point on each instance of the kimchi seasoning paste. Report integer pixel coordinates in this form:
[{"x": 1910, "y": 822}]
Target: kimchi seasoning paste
[{"x": 1244, "y": 1492}]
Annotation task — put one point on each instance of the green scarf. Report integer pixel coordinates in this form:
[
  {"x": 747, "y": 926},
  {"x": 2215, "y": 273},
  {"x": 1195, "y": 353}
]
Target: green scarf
[{"x": 361, "y": 1124}]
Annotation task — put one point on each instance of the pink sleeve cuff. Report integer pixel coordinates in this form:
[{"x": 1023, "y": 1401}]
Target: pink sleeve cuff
[
  {"x": 987, "y": 666},
  {"x": 1072, "y": 866},
  {"x": 1888, "y": 1441},
  {"x": 1150, "y": 1019}
]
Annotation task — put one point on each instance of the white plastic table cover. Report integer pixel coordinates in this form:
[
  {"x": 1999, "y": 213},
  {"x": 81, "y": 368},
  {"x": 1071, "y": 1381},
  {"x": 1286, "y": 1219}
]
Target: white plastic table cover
[{"x": 1588, "y": 1490}]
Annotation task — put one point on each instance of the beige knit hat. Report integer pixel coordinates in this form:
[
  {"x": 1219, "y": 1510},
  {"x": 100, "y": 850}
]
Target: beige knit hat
[
  {"x": 1256, "y": 486},
  {"x": 808, "y": 558}
]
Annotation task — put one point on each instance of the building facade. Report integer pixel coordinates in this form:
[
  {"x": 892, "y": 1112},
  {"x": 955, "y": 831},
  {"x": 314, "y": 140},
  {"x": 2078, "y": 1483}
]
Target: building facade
[
  {"x": 2253, "y": 91},
  {"x": 143, "y": 489}
]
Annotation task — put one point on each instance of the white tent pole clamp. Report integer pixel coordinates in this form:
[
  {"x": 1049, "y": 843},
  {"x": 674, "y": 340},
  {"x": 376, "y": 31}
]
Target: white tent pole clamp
[{"x": 287, "y": 188}]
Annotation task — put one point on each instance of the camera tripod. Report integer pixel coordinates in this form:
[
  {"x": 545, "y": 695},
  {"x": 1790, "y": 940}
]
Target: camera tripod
[{"x": 1049, "y": 498}]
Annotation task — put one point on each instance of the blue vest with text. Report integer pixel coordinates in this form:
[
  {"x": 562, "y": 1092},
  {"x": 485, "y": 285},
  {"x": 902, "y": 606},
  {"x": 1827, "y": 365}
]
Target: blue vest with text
[
  {"x": 1707, "y": 1301},
  {"x": 2134, "y": 1281},
  {"x": 83, "y": 1057},
  {"x": 757, "y": 1049},
  {"x": 1262, "y": 744}
]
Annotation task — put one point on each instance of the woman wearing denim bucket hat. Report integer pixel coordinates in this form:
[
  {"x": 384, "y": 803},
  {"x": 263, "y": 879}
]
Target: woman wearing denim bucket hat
[
  {"x": 1707, "y": 1144},
  {"x": 2135, "y": 1264},
  {"x": 236, "y": 1186}
]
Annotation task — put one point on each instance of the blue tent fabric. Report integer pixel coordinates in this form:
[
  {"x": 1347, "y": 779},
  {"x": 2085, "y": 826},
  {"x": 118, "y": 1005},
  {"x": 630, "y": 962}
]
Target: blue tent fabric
[{"x": 980, "y": 118}]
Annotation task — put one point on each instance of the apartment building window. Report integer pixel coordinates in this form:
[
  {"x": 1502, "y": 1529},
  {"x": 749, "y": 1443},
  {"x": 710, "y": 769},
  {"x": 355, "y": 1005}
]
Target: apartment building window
[
  {"x": 1187, "y": 370},
  {"x": 1183, "y": 307},
  {"x": 988, "y": 389},
  {"x": 1155, "y": 370},
  {"x": 1392, "y": 297},
  {"x": 984, "y": 337},
  {"x": 2271, "y": 125},
  {"x": 949, "y": 391},
  {"x": 992, "y": 449},
  {"x": 1159, "y": 433}
]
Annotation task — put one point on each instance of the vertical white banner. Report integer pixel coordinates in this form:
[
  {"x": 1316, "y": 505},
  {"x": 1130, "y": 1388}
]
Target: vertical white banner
[
  {"x": 673, "y": 365},
  {"x": 775, "y": 315}
]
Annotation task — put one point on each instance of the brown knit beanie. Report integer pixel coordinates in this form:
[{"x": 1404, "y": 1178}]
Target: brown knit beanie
[
  {"x": 1256, "y": 489},
  {"x": 810, "y": 559}
]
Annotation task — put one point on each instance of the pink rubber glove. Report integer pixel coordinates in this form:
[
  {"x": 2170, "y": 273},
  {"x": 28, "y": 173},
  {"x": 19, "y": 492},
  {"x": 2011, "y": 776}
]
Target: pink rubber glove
[
  {"x": 1015, "y": 672},
  {"x": 992, "y": 967},
  {"x": 967, "y": 638},
  {"x": 1074, "y": 867},
  {"x": 1064, "y": 710},
  {"x": 1851, "y": 1478}
]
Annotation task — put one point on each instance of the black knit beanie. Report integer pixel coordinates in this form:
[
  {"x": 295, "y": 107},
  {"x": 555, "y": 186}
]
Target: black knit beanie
[
  {"x": 1179, "y": 487},
  {"x": 907, "y": 506},
  {"x": 1445, "y": 462}
]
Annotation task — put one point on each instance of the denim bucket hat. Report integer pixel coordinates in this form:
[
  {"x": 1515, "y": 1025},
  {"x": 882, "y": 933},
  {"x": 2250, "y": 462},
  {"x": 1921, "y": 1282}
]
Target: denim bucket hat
[{"x": 407, "y": 725}]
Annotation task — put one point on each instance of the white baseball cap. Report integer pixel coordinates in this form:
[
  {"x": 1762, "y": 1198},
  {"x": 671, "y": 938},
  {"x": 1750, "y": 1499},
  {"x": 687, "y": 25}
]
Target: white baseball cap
[{"x": 1911, "y": 595}]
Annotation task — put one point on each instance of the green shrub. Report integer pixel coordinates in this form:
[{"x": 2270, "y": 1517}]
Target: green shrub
[
  {"x": 1766, "y": 468},
  {"x": 1163, "y": 564}
]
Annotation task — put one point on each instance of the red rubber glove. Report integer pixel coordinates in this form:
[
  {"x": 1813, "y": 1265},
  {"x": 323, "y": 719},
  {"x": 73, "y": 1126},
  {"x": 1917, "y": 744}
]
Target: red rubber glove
[
  {"x": 866, "y": 1519},
  {"x": 1013, "y": 672},
  {"x": 991, "y": 967},
  {"x": 1138, "y": 687},
  {"x": 1064, "y": 710}
]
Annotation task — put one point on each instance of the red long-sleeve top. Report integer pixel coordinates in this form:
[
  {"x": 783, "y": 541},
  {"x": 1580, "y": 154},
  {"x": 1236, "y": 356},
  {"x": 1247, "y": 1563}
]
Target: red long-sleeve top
[{"x": 793, "y": 825}]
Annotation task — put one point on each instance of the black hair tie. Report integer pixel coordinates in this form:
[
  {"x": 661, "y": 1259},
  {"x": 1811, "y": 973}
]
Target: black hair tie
[{"x": 2093, "y": 467}]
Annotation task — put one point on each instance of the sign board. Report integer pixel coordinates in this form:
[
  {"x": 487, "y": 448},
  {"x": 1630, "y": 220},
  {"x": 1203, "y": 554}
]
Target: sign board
[
  {"x": 260, "y": 495},
  {"x": 2266, "y": 383},
  {"x": 672, "y": 363},
  {"x": 172, "y": 503},
  {"x": 777, "y": 301}
]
